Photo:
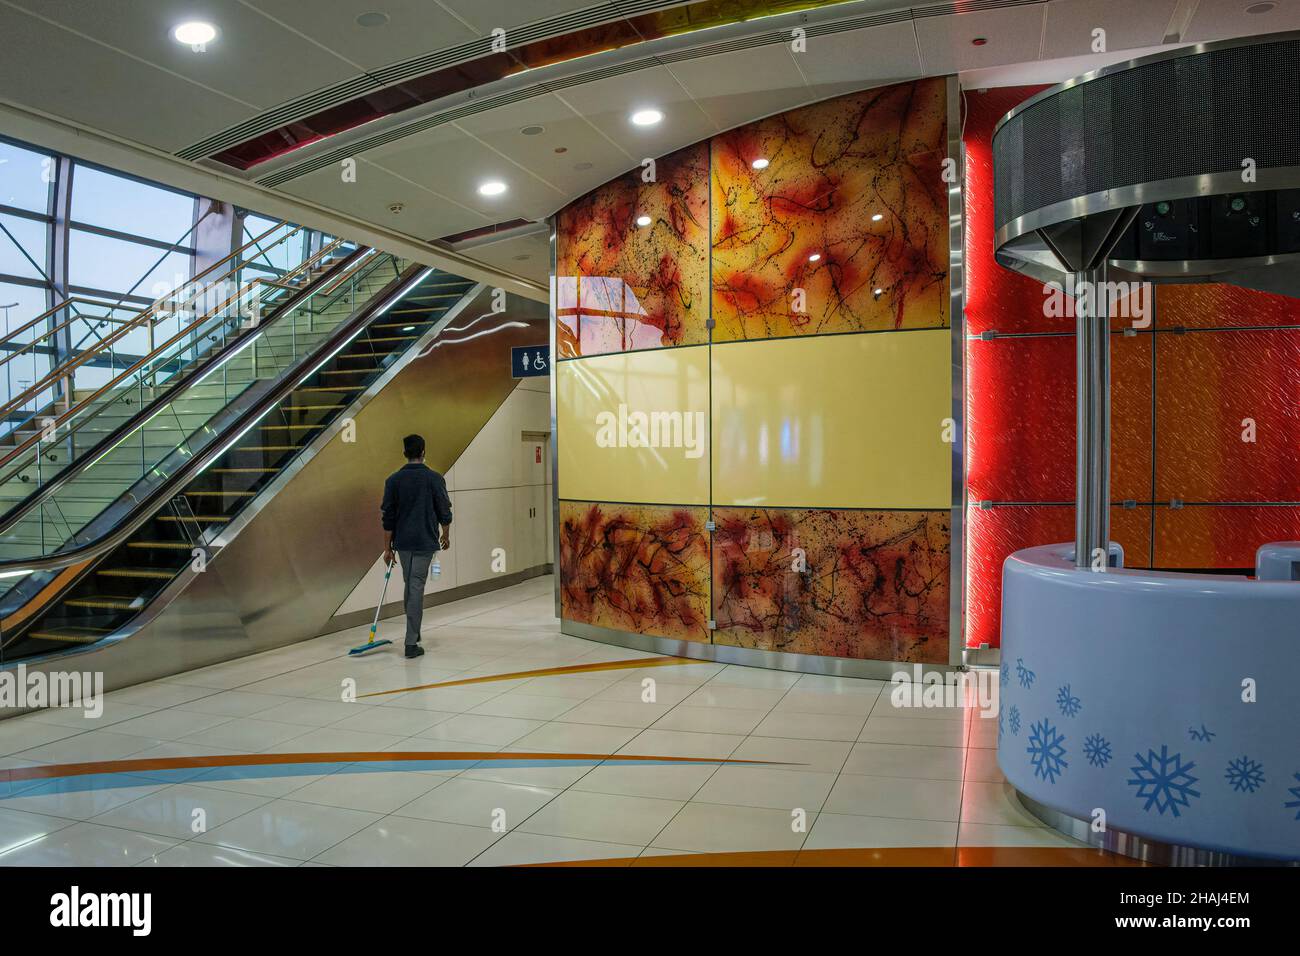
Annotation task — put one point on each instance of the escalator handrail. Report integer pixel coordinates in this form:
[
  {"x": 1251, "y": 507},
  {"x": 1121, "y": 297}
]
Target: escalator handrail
[
  {"x": 91, "y": 455},
  {"x": 169, "y": 487},
  {"x": 76, "y": 410},
  {"x": 141, "y": 313},
  {"x": 149, "y": 316}
]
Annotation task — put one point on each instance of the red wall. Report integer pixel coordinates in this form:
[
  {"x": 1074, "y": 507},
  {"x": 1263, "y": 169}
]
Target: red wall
[{"x": 1177, "y": 404}]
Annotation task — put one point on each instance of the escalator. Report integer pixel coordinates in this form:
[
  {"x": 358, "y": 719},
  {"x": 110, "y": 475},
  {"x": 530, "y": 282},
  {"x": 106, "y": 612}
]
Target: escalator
[
  {"x": 52, "y": 423},
  {"x": 103, "y": 538}
]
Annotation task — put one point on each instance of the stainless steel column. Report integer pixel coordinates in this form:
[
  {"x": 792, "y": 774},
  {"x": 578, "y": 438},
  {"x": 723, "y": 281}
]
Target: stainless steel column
[{"x": 1092, "y": 442}]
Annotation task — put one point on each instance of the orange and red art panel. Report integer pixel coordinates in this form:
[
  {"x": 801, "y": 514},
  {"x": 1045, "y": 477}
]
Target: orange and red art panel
[
  {"x": 836, "y": 583},
  {"x": 621, "y": 285},
  {"x": 639, "y": 568},
  {"x": 845, "y": 229}
]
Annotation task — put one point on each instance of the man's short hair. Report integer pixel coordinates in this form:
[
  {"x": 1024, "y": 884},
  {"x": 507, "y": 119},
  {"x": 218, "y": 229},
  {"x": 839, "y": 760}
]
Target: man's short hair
[{"x": 413, "y": 447}]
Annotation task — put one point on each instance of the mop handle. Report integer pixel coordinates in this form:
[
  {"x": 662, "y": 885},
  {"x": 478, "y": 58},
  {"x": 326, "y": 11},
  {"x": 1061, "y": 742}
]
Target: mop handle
[{"x": 374, "y": 625}]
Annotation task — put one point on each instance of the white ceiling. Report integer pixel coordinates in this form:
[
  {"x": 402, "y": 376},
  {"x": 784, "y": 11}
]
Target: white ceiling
[{"x": 110, "y": 66}]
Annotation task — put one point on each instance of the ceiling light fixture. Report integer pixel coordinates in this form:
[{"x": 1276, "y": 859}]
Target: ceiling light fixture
[
  {"x": 533, "y": 130},
  {"x": 877, "y": 217},
  {"x": 375, "y": 19},
  {"x": 493, "y": 187},
  {"x": 814, "y": 257},
  {"x": 979, "y": 41},
  {"x": 194, "y": 33},
  {"x": 646, "y": 117},
  {"x": 878, "y": 292},
  {"x": 643, "y": 220},
  {"x": 1260, "y": 7},
  {"x": 759, "y": 164}
]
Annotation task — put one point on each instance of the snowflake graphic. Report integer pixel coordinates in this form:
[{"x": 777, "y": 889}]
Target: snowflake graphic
[
  {"x": 1205, "y": 734},
  {"x": 1244, "y": 774},
  {"x": 1015, "y": 721},
  {"x": 1163, "y": 780},
  {"x": 1005, "y": 675},
  {"x": 1024, "y": 674},
  {"x": 1069, "y": 704},
  {"x": 1097, "y": 749},
  {"x": 1001, "y": 728},
  {"x": 1046, "y": 750},
  {"x": 1294, "y": 804}
]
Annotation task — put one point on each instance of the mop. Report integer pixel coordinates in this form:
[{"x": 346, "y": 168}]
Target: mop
[{"x": 371, "y": 644}]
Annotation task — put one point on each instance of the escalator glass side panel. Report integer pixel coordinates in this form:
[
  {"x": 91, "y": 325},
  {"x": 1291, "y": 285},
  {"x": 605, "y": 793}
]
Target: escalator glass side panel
[{"x": 107, "y": 595}]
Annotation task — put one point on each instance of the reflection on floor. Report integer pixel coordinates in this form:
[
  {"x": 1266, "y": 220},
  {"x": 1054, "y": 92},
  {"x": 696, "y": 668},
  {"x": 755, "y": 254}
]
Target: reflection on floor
[{"x": 261, "y": 761}]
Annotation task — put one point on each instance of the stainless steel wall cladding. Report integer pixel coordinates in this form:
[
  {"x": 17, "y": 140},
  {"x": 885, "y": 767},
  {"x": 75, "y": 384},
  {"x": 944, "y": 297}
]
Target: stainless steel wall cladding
[{"x": 1168, "y": 117}]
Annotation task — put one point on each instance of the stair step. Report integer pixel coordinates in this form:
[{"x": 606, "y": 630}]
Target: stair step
[
  {"x": 71, "y": 635},
  {"x": 152, "y": 574},
  {"x": 194, "y": 519},
  {"x": 168, "y": 545},
  {"x": 107, "y": 603},
  {"x": 241, "y": 471}
]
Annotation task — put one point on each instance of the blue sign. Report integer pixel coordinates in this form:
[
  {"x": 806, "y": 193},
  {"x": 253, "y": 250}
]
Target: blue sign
[{"x": 530, "y": 361}]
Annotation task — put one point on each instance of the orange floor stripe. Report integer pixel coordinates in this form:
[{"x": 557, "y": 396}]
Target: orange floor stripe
[
  {"x": 938, "y": 856},
  {"x": 147, "y": 764},
  {"x": 549, "y": 672}
]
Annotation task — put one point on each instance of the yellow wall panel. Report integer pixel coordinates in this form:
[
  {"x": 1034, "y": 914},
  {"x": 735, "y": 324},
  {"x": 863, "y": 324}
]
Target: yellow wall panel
[
  {"x": 634, "y": 426},
  {"x": 839, "y": 421}
]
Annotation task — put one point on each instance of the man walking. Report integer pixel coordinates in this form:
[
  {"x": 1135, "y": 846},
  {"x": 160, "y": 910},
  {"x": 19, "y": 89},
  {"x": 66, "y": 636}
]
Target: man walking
[{"x": 415, "y": 503}]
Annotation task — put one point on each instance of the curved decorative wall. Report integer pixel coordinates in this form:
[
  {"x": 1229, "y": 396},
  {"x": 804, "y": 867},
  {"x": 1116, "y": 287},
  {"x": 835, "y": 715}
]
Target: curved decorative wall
[{"x": 754, "y": 393}]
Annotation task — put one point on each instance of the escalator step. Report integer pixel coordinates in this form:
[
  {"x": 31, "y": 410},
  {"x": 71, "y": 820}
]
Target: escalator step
[
  {"x": 190, "y": 519},
  {"x": 242, "y": 471},
  {"x": 269, "y": 448},
  {"x": 170, "y": 545},
  {"x": 353, "y": 371},
  {"x": 330, "y": 388},
  {"x": 107, "y": 603},
  {"x": 152, "y": 574},
  {"x": 71, "y": 635},
  {"x": 310, "y": 408},
  {"x": 219, "y": 494},
  {"x": 298, "y": 428}
]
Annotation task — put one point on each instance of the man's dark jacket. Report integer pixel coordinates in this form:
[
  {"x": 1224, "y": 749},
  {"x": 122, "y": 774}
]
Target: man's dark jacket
[{"x": 415, "y": 503}]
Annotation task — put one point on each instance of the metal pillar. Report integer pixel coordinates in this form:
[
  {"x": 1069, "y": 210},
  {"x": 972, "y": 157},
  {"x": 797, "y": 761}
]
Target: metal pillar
[{"x": 1092, "y": 448}]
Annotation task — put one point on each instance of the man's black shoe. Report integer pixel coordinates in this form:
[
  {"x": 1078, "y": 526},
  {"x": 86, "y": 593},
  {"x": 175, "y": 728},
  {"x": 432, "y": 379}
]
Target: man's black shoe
[{"x": 414, "y": 650}]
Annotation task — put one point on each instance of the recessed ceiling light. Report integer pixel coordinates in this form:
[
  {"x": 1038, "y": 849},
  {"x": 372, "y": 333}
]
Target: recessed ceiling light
[
  {"x": 533, "y": 130},
  {"x": 979, "y": 41},
  {"x": 493, "y": 187},
  {"x": 408, "y": 328},
  {"x": 194, "y": 33},
  {"x": 878, "y": 291},
  {"x": 523, "y": 258},
  {"x": 561, "y": 149},
  {"x": 375, "y": 19},
  {"x": 814, "y": 257},
  {"x": 1260, "y": 7},
  {"x": 646, "y": 117},
  {"x": 877, "y": 217},
  {"x": 643, "y": 220},
  {"x": 759, "y": 164}
]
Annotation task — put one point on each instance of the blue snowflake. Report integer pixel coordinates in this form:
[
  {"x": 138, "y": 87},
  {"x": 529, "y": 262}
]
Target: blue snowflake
[
  {"x": 1015, "y": 721},
  {"x": 1163, "y": 780},
  {"x": 1245, "y": 775},
  {"x": 1005, "y": 675},
  {"x": 1070, "y": 705},
  {"x": 1001, "y": 728},
  {"x": 1097, "y": 749},
  {"x": 1295, "y": 792},
  {"x": 1205, "y": 735},
  {"x": 1046, "y": 750},
  {"x": 1024, "y": 674}
]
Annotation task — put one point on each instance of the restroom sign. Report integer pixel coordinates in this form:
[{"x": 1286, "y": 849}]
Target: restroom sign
[{"x": 529, "y": 361}]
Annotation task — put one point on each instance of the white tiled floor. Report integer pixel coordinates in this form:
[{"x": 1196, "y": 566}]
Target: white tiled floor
[{"x": 857, "y": 772}]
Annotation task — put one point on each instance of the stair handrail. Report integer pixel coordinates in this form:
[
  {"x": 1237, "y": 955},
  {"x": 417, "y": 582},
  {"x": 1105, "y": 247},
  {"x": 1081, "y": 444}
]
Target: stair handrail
[
  {"x": 150, "y": 315},
  {"x": 246, "y": 418},
  {"x": 351, "y": 262}
]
